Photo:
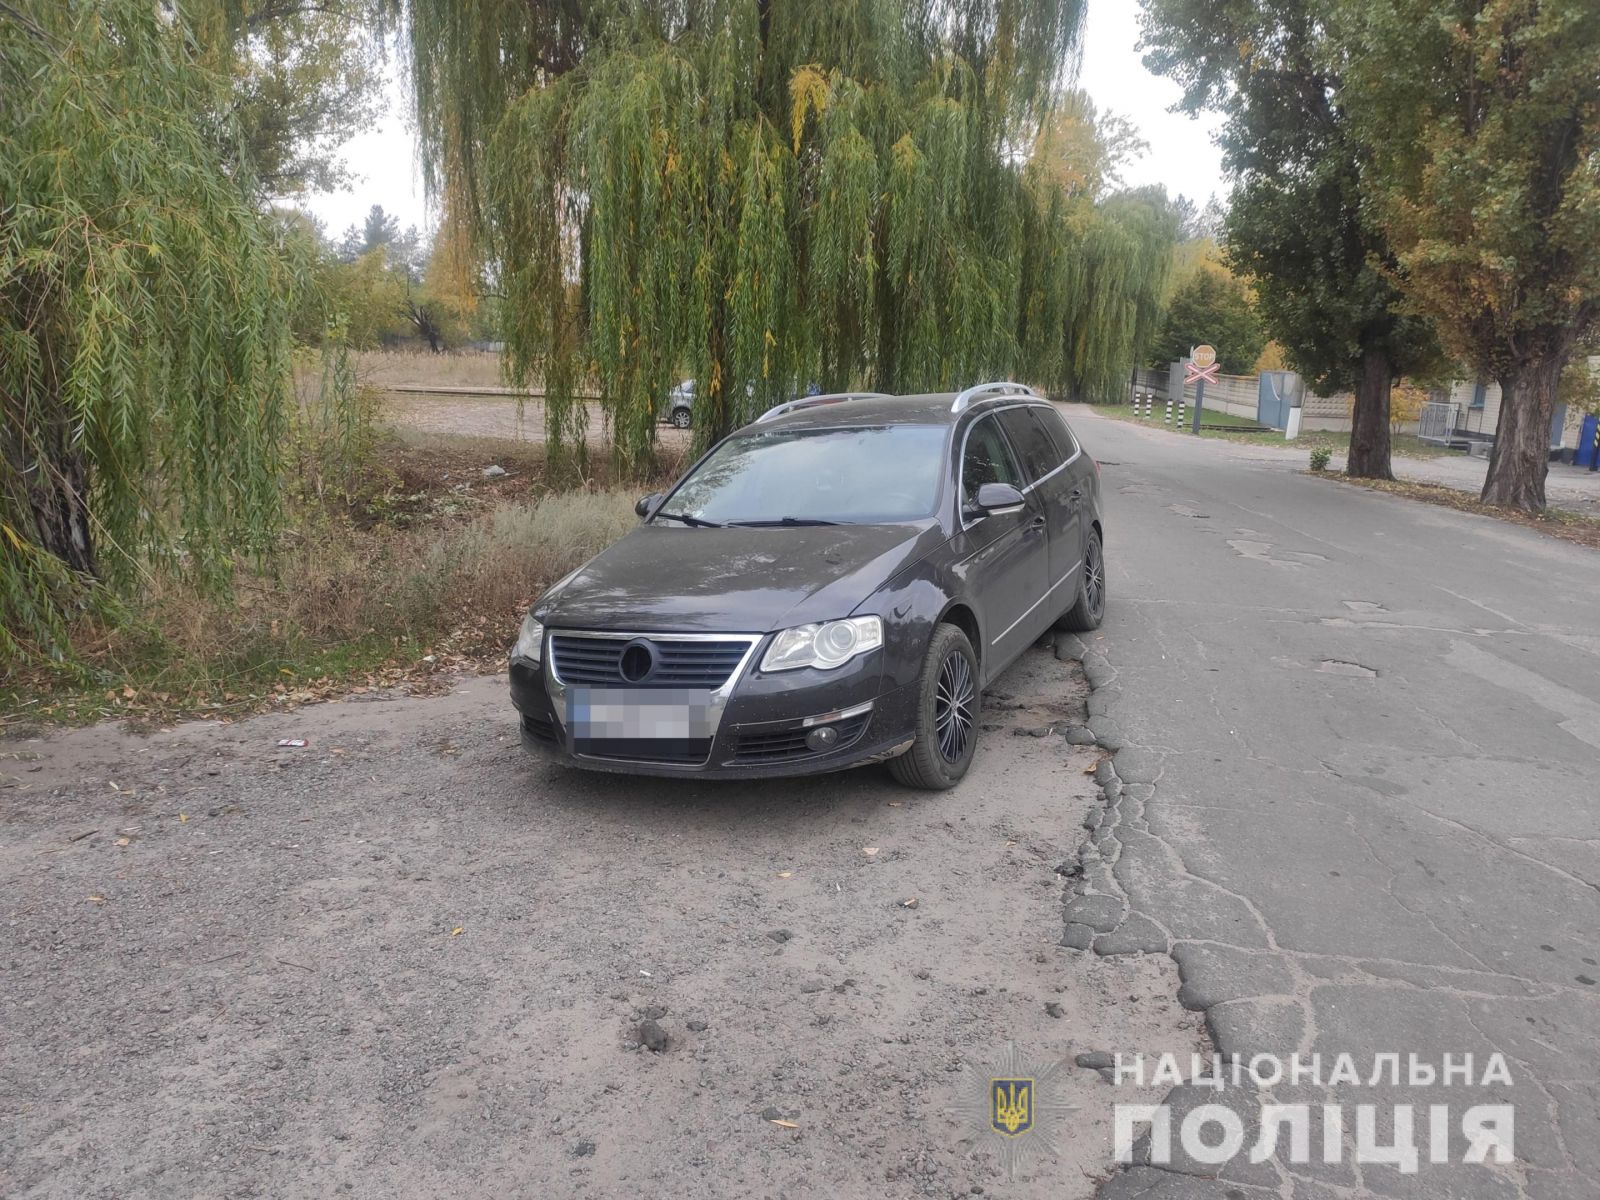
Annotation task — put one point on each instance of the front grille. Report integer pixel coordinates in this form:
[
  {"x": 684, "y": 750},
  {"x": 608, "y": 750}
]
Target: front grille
[
  {"x": 785, "y": 744},
  {"x": 681, "y": 664}
]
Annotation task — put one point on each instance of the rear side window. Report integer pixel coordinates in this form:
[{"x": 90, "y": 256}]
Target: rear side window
[
  {"x": 1056, "y": 427},
  {"x": 987, "y": 460},
  {"x": 1033, "y": 442}
]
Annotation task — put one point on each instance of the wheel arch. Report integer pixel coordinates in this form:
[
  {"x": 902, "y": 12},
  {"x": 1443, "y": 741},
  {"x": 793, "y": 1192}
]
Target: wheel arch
[{"x": 960, "y": 614}]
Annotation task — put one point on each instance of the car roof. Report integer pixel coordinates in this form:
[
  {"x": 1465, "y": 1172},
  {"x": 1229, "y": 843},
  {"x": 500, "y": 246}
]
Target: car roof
[{"x": 863, "y": 409}]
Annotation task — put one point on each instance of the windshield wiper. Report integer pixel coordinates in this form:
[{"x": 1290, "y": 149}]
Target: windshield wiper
[
  {"x": 789, "y": 521},
  {"x": 696, "y": 522}
]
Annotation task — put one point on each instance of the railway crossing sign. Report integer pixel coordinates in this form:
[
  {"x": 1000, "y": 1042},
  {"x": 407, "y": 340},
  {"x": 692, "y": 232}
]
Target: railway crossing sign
[{"x": 1200, "y": 369}]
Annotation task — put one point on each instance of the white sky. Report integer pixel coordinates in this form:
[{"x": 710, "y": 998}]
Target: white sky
[
  {"x": 1181, "y": 152},
  {"x": 1181, "y": 155}
]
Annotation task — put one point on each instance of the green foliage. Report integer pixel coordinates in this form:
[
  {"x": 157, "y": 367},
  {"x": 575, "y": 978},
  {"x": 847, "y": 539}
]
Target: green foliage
[
  {"x": 1212, "y": 308},
  {"x": 1579, "y": 388},
  {"x": 370, "y": 296},
  {"x": 1484, "y": 122},
  {"x": 379, "y": 228},
  {"x": 1083, "y": 149},
  {"x": 383, "y": 286},
  {"x": 1321, "y": 269},
  {"x": 305, "y": 78},
  {"x": 1320, "y": 458},
  {"x": 146, "y": 316},
  {"x": 767, "y": 196}
]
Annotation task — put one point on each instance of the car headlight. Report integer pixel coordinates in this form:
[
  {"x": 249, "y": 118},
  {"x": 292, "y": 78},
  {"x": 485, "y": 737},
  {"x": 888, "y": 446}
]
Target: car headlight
[
  {"x": 825, "y": 646},
  {"x": 530, "y": 641}
]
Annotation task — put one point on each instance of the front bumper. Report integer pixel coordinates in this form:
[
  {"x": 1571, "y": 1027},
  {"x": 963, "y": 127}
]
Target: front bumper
[{"x": 763, "y": 719}]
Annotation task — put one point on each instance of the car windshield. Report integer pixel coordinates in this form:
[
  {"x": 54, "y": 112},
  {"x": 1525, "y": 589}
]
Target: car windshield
[{"x": 805, "y": 476}]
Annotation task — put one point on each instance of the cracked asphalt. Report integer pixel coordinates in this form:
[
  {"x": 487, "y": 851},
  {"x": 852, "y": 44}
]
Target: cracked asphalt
[{"x": 1356, "y": 796}]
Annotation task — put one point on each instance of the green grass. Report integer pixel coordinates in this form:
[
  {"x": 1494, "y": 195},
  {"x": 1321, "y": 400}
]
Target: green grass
[
  {"x": 1218, "y": 417},
  {"x": 1404, "y": 444},
  {"x": 149, "y": 680}
]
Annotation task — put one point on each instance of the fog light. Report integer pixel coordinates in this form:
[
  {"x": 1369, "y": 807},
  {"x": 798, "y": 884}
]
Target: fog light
[{"x": 824, "y": 738}]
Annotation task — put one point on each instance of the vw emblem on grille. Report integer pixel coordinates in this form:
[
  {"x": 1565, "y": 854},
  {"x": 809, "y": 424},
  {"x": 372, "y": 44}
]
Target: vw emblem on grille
[{"x": 638, "y": 661}]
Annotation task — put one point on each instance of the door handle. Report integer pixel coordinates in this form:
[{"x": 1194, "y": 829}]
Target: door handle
[
  {"x": 1075, "y": 494},
  {"x": 1036, "y": 523}
]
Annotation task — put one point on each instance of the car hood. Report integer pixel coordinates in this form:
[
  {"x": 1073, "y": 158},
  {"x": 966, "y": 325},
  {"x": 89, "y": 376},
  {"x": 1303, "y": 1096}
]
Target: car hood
[{"x": 665, "y": 578}]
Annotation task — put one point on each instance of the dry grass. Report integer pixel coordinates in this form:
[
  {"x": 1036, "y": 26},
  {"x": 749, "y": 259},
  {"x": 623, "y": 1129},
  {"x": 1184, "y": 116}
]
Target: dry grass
[
  {"x": 344, "y": 607},
  {"x": 455, "y": 368},
  {"x": 1557, "y": 522},
  {"x": 423, "y": 568}
]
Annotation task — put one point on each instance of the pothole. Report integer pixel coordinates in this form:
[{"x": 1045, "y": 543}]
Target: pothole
[
  {"x": 1268, "y": 553},
  {"x": 1328, "y": 666},
  {"x": 1037, "y": 696}
]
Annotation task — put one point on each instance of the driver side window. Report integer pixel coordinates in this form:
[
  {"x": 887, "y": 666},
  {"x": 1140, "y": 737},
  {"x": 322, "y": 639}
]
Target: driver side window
[{"x": 988, "y": 459}]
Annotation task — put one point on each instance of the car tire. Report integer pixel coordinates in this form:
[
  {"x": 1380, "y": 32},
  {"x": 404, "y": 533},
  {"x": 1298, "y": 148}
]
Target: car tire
[
  {"x": 1089, "y": 609},
  {"x": 681, "y": 418},
  {"x": 948, "y": 702}
]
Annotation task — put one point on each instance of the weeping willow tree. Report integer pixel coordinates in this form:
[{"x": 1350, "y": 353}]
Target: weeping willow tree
[
  {"x": 769, "y": 195},
  {"x": 145, "y": 309}
]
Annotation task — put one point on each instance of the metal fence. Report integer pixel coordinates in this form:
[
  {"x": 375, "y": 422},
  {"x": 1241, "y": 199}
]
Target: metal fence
[
  {"x": 1147, "y": 379},
  {"x": 1437, "y": 424}
]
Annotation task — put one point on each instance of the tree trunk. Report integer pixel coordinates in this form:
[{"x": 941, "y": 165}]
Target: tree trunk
[
  {"x": 59, "y": 499},
  {"x": 53, "y": 475},
  {"x": 717, "y": 418},
  {"x": 1521, "y": 456},
  {"x": 1369, "y": 425}
]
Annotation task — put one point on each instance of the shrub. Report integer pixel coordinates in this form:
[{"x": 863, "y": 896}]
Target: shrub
[
  {"x": 341, "y": 601},
  {"x": 1320, "y": 457}
]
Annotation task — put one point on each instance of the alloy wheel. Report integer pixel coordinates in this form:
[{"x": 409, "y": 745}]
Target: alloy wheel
[
  {"x": 953, "y": 705},
  {"x": 1094, "y": 577}
]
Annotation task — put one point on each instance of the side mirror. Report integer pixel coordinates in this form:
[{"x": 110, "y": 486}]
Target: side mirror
[
  {"x": 645, "y": 505},
  {"x": 997, "y": 498}
]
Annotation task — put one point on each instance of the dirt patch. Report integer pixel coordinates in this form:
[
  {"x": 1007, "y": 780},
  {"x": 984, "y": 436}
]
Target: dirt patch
[
  {"x": 497, "y": 417},
  {"x": 422, "y": 477},
  {"x": 407, "y": 959}
]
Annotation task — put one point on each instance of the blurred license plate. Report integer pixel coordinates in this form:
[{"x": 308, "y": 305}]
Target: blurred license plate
[{"x": 622, "y": 714}]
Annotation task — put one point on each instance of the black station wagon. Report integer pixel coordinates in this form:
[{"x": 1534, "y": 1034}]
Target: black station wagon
[{"x": 832, "y": 585}]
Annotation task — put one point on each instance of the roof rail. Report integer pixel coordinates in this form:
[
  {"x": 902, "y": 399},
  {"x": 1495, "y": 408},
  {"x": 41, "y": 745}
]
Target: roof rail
[
  {"x": 809, "y": 401},
  {"x": 1002, "y": 387}
]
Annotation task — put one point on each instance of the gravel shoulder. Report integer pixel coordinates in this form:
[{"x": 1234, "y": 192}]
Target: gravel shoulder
[{"x": 408, "y": 960}]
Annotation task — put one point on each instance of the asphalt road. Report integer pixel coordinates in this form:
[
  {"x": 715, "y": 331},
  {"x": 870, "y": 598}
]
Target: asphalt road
[{"x": 1361, "y": 798}]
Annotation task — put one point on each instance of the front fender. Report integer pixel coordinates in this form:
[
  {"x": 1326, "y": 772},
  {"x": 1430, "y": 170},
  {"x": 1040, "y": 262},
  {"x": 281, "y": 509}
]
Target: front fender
[{"x": 911, "y": 605}]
